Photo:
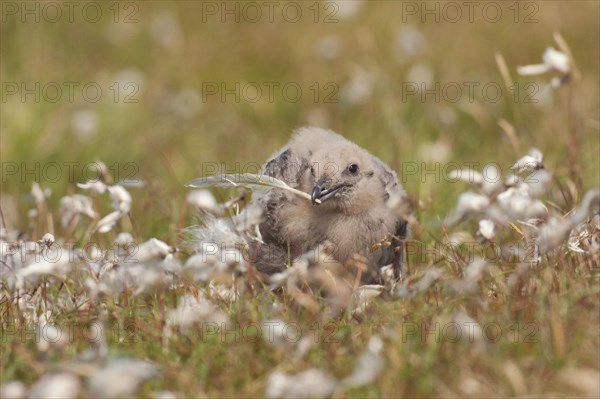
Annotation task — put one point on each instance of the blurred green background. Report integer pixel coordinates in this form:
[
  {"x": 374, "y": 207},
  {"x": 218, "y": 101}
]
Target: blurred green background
[{"x": 178, "y": 87}]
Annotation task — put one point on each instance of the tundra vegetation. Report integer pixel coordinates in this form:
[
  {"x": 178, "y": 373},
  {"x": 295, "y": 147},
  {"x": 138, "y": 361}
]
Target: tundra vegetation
[{"x": 491, "y": 122}]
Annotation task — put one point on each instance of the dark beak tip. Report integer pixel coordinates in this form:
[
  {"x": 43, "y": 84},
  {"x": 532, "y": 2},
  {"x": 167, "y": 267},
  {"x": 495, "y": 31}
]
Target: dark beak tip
[{"x": 315, "y": 193}]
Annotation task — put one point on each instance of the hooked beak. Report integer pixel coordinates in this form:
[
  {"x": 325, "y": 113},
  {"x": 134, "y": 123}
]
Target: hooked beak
[{"x": 322, "y": 190}]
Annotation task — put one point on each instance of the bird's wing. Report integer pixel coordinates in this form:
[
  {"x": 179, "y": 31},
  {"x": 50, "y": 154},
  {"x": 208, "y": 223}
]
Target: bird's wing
[
  {"x": 388, "y": 179},
  {"x": 398, "y": 246},
  {"x": 289, "y": 166},
  {"x": 392, "y": 189}
]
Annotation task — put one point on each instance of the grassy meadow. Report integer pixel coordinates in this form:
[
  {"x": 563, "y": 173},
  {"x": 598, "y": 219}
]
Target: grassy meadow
[{"x": 500, "y": 296}]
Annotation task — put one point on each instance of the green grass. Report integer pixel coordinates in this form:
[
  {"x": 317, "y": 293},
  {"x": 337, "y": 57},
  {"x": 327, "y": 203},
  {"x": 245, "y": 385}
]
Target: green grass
[{"x": 548, "y": 316}]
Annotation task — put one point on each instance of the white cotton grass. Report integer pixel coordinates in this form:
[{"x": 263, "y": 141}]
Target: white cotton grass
[
  {"x": 317, "y": 383},
  {"x": 558, "y": 62},
  {"x": 213, "y": 261},
  {"x": 518, "y": 204},
  {"x": 420, "y": 75},
  {"x": 124, "y": 238},
  {"x": 368, "y": 366},
  {"x": 518, "y": 200},
  {"x": 469, "y": 203},
  {"x": 363, "y": 295},
  {"x": 72, "y": 206},
  {"x": 61, "y": 385},
  {"x": 556, "y": 230},
  {"x": 344, "y": 9},
  {"x": 130, "y": 276},
  {"x": 585, "y": 238},
  {"x": 472, "y": 202},
  {"x": 472, "y": 331},
  {"x": 590, "y": 205},
  {"x": 530, "y": 162},
  {"x": 13, "y": 390},
  {"x": 560, "y": 65},
  {"x": 120, "y": 377},
  {"x": 93, "y": 186},
  {"x": 31, "y": 268},
  {"x": 131, "y": 80},
  {"x": 121, "y": 199},
  {"x": 514, "y": 198},
  {"x": 85, "y": 124},
  {"x": 431, "y": 276},
  {"x": 538, "y": 183},
  {"x": 166, "y": 395},
  {"x": 223, "y": 292},
  {"x": 55, "y": 265},
  {"x": 410, "y": 41},
  {"x": 486, "y": 229},
  {"x": 328, "y": 47},
  {"x": 108, "y": 222},
  {"x": 153, "y": 249},
  {"x": 48, "y": 239},
  {"x": 203, "y": 200},
  {"x": 192, "y": 310},
  {"x": 483, "y": 184},
  {"x": 40, "y": 195},
  {"x": 121, "y": 202},
  {"x": 50, "y": 336},
  {"x": 311, "y": 383},
  {"x": 472, "y": 274},
  {"x": 165, "y": 30},
  {"x": 553, "y": 60},
  {"x": 358, "y": 89}
]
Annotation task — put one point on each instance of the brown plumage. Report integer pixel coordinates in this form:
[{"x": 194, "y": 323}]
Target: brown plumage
[{"x": 354, "y": 188}]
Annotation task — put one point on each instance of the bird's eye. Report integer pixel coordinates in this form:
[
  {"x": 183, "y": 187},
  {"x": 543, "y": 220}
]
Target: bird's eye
[{"x": 353, "y": 168}]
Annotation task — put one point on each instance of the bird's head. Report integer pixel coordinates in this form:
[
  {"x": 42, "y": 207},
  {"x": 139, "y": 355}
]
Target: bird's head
[{"x": 347, "y": 178}]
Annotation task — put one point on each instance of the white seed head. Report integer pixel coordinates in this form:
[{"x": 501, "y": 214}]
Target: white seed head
[
  {"x": 120, "y": 377},
  {"x": 121, "y": 199},
  {"x": 553, "y": 60},
  {"x": 203, "y": 200},
  {"x": 109, "y": 221},
  {"x": 313, "y": 383},
  {"x": 39, "y": 195},
  {"x": 94, "y": 186},
  {"x": 472, "y": 202},
  {"x": 556, "y": 60},
  {"x": 486, "y": 229},
  {"x": 61, "y": 385},
  {"x": 124, "y": 238},
  {"x": 48, "y": 239},
  {"x": 531, "y": 161}
]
